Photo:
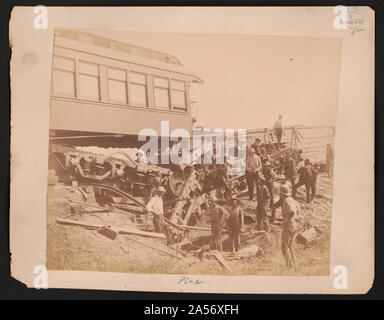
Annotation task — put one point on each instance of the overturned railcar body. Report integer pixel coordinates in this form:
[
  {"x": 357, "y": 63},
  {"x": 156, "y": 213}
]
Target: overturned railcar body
[{"x": 102, "y": 88}]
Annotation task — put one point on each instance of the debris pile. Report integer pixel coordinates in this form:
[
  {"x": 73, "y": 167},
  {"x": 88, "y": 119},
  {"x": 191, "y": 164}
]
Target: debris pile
[{"x": 98, "y": 219}]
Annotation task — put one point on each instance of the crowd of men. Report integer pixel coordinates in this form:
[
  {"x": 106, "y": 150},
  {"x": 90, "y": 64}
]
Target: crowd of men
[
  {"x": 262, "y": 170},
  {"x": 291, "y": 172},
  {"x": 264, "y": 175}
]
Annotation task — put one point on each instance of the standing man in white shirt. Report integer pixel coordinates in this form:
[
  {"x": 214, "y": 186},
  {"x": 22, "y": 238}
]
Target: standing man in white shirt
[
  {"x": 155, "y": 207},
  {"x": 253, "y": 172},
  {"x": 279, "y": 130}
]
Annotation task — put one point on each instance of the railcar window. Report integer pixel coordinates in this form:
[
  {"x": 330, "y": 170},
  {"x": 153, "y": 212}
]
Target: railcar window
[
  {"x": 137, "y": 89},
  {"x": 63, "y": 76},
  {"x": 179, "y": 98},
  {"x": 89, "y": 80},
  {"x": 117, "y": 85},
  {"x": 161, "y": 89}
]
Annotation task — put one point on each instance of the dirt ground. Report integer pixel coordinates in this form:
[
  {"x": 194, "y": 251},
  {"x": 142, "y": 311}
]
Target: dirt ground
[{"x": 77, "y": 248}]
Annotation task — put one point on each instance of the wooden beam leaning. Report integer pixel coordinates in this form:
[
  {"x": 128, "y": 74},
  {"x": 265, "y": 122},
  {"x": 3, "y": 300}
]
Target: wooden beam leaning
[{"x": 121, "y": 230}]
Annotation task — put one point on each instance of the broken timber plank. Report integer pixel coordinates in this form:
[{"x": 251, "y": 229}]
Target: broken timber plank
[
  {"x": 189, "y": 211},
  {"x": 106, "y": 209},
  {"x": 182, "y": 227},
  {"x": 173, "y": 224},
  {"x": 181, "y": 243},
  {"x": 125, "y": 250},
  {"x": 233, "y": 258},
  {"x": 153, "y": 248},
  {"x": 86, "y": 204},
  {"x": 142, "y": 233},
  {"x": 177, "y": 246},
  {"x": 81, "y": 224},
  {"x": 129, "y": 208},
  {"x": 197, "y": 228},
  {"x": 180, "y": 251},
  {"x": 121, "y": 230},
  {"x": 85, "y": 196},
  {"x": 177, "y": 211},
  {"x": 220, "y": 258}
]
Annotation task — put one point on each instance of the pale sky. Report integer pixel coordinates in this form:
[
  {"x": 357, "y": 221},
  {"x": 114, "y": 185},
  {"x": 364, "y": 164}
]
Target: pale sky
[{"x": 249, "y": 79}]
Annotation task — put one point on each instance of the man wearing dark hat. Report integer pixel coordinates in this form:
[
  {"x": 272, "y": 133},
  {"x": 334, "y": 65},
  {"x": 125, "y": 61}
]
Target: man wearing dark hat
[
  {"x": 307, "y": 177},
  {"x": 155, "y": 207},
  {"x": 262, "y": 206},
  {"x": 290, "y": 168},
  {"x": 235, "y": 223},
  {"x": 253, "y": 170},
  {"x": 260, "y": 151},
  {"x": 270, "y": 177}
]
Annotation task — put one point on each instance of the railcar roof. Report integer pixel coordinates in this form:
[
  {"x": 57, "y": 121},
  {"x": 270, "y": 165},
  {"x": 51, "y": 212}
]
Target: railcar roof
[{"x": 117, "y": 45}]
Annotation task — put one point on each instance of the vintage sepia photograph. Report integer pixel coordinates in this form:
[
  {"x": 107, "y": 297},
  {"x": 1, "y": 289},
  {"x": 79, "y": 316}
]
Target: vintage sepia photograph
[
  {"x": 223, "y": 150},
  {"x": 206, "y": 154}
]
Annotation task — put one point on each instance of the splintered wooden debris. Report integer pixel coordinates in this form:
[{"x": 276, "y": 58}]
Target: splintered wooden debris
[
  {"x": 220, "y": 258},
  {"x": 309, "y": 236},
  {"x": 121, "y": 230}
]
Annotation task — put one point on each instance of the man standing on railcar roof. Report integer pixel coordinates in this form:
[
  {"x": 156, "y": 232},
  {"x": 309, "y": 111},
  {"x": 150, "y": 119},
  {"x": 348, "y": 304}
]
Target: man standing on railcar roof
[{"x": 278, "y": 128}]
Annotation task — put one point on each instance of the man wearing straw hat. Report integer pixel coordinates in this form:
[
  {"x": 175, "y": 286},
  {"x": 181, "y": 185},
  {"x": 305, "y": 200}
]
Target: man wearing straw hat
[
  {"x": 217, "y": 217},
  {"x": 270, "y": 178},
  {"x": 289, "y": 210},
  {"x": 235, "y": 223},
  {"x": 155, "y": 207}
]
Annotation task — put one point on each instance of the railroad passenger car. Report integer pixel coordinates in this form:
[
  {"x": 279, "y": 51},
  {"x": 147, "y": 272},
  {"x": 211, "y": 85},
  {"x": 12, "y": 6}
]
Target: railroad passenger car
[{"x": 102, "y": 88}]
